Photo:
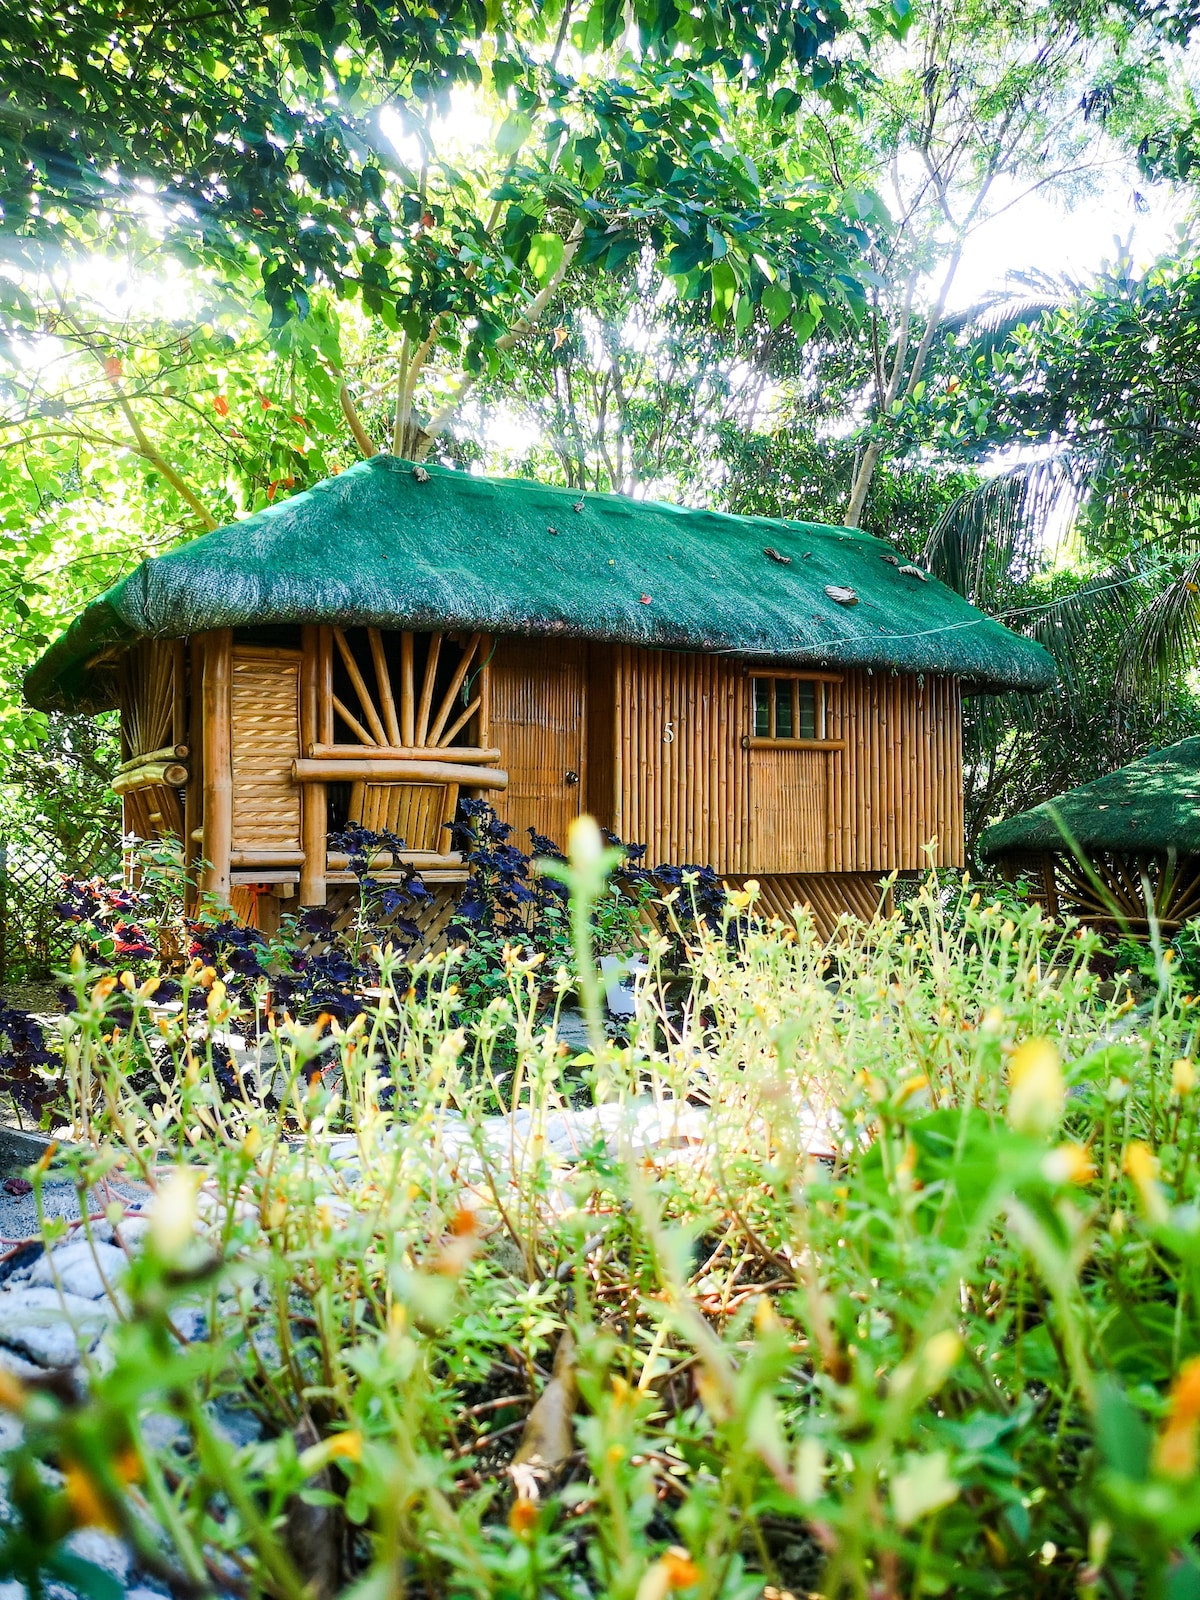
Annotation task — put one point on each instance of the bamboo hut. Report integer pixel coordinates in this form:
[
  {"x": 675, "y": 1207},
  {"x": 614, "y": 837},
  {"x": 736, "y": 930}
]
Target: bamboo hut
[
  {"x": 1116, "y": 850},
  {"x": 772, "y": 698}
]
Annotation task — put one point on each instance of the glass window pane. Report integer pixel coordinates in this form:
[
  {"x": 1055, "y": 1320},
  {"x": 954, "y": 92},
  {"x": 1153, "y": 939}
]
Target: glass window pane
[
  {"x": 762, "y": 709},
  {"x": 783, "y": 709},
  {"x": 808, "y": 711}
]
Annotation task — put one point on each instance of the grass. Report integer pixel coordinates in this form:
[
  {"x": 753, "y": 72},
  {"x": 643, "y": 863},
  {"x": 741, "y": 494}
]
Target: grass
[{"x": 956, "y": 1356}]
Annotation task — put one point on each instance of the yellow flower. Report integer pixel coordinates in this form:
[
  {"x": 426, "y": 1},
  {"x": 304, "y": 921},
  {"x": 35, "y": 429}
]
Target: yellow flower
[
  {"x": 1175, "y": 1453},
  {"x": 911, "y": 1086},
  {"x": 1142, "y": 1167},
  {"x": 523, "y": 1517},
  {"x": 173, "y": 1215},
  {"x": 1183, "y": 1076},
  {"x": 1036, "y": 1088},
  {"x": 1069, "y": 1163},
  {"x": 252, "y": 1143},
  {"x": 941, "y": 1351},
  {"x": 674, "y": 1570},
  {"x": 12, "y": 1392},
  {"x": 585, "y": 844},
  {"x": 88, "y": 1509},
  {"x": 347, "y": 1445}
]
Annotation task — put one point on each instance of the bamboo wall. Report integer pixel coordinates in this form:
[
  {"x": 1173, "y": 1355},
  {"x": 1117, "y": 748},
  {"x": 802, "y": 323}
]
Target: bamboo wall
[
  {"x": 657, "y": 744},
  {"x": 686, "y": 784}
]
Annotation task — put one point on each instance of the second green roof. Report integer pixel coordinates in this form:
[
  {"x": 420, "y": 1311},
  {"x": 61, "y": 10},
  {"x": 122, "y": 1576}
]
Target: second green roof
[
  {"x": 385, "y": 546},
  {"x": 1149, "y": 807}
]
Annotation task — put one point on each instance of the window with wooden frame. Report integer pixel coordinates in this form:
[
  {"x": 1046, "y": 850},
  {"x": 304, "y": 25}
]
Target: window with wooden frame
[{"x": 788, "y": 710}]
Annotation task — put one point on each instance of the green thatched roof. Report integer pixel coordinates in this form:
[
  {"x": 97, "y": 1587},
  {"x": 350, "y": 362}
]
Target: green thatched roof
[
  {"x": 1151, "y": 805},
  {"x": 376, "y": 546}
]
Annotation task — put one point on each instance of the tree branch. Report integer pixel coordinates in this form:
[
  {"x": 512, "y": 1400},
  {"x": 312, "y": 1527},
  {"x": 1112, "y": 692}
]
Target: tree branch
[
  {"x": 361, "y": 437},
  {"x": 445, "y": 413}
]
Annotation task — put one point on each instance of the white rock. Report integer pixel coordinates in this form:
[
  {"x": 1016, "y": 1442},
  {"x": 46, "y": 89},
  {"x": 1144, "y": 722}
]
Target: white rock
[
  {"x": 132, "y": 1231},
  {"x": 10, "y": 1361},
  {"x": 102, "y": 1550},
  {"x": 50, "y": 1328},
  {"x": 79, "y": 1270}
]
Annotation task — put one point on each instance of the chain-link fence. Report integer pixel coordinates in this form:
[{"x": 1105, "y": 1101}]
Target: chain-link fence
[{"x": 34, "y": 940}]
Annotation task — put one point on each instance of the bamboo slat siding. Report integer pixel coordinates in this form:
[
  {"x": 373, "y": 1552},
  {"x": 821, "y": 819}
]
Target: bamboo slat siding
[
  {"x": 657, "y": 744},
  {"x": 681, "y": 776},
  {"x": 699, "y": 796},
  {"x": 265, "y": 740},
  {"x": 539, "y": 721}
]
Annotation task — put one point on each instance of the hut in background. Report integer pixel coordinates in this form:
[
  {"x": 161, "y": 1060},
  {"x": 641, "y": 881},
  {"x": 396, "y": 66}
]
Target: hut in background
[
  {"x": 770, "y": 698},
  {"x": 1116, "y": 850}
]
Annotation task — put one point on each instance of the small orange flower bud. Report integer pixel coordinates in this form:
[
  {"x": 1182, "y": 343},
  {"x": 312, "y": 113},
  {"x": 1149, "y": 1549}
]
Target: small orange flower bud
[{"x": 522, "y": 1519}]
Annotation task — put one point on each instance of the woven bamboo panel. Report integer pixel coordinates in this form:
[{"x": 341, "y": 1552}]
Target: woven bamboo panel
[
  {"x": 538, "y": 719},
  {"x": 265, "y": 740},
  {"x": 828, "y": 896},
  {"x": 789, "y": 820},
  {"x": 414, "y": 812}
]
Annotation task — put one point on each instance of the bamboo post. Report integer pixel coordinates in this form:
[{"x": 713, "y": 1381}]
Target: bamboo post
[
  {"x": 193, "y": 797},
  {"x": 483, "y": 730},
  {"x": 408, "y": 707},
  {"x": 314, "y": 807},
  {"x": 378, "y": 734},
  {"x": 218, "y": 765},
  {"x": 431, "y": 663},
  {"x": 383, "y": 683},
  {"x": 179, "y": 730},
  {"x": 325, "y": 684}
]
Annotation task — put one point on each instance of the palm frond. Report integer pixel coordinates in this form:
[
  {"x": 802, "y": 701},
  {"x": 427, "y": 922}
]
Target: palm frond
[
  {"x": 995, "y": 537},
  {"x": 1164, "y": 636}
]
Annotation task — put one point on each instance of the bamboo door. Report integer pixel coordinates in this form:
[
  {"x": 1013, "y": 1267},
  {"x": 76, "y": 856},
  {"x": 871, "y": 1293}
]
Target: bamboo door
[
  {"x": 789, "y": 810},
  {"x": 539, "y": 723}
]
